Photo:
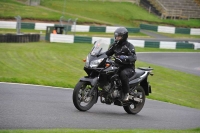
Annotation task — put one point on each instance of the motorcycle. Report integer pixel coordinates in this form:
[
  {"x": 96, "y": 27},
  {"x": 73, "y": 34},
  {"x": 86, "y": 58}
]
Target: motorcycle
[{"x": 103, "y": 81}]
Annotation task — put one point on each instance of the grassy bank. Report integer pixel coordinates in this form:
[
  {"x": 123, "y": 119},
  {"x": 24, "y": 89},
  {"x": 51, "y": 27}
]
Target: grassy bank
[
  {"x": 61, "y": 65},
  {"x": 129, "y": 14},
  {"x": 11, "y": 8},
  {"x": 89, "y": 12}
]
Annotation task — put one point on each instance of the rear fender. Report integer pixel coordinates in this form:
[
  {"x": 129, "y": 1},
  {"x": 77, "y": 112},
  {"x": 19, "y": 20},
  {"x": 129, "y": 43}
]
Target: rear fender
[
  {"x": 142, "y": 80},
  {"x": 145, "y": 85}
]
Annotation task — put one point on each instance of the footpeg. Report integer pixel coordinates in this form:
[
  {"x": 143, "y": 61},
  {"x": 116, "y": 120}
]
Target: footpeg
[{"x": 118, "y": 102}]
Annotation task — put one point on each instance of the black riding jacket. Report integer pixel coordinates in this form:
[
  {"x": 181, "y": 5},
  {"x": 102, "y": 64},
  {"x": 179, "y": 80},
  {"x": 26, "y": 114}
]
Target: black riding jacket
[{"x": 125, "y": 48}]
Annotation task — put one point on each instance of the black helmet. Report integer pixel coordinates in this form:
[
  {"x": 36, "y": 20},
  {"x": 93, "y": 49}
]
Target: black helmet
[{"x": 123, "y": 32}]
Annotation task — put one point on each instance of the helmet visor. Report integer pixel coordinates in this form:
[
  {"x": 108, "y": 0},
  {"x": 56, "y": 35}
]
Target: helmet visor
[{"x": 118, "y": 35}]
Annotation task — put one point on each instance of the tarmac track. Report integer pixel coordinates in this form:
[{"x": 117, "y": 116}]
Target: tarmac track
[
  {"x": 188, "y": 62},
  {"x": 38, "y": 107}
]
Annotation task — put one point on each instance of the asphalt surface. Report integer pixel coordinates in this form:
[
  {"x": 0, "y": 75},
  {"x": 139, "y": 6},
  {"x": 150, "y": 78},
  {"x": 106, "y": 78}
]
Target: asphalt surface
[
  {"x": 153, "y": 34},
  {"x": 38, "y": 107},
  {"x": 185, "y": 62}
]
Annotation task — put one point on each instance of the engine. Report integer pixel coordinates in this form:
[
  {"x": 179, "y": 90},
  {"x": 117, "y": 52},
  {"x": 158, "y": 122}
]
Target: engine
[{"x": 115, "y": 94}]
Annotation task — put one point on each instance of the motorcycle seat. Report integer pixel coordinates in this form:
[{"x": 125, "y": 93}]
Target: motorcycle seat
[{"x": 138, "y": 73}]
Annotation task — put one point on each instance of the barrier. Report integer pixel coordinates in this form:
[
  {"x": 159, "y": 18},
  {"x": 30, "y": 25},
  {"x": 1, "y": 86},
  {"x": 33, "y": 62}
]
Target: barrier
[
  {"x": 80, "y": 28},
  {"x": 172, "y": 30},
  {"x": 42, "y": 26},
  {"x": 110, "y": 29},
  {"x": 23, "y": 38},
  {"x": 196, "y": 45},
  {"x": 80, "y": 39},
  {"x": 61, "y": 38},
  {"x": 77, "y": 28},
  {"x": 107, "y": 40},
  {"x": 167, "y": 45},
  {"x": 195, "y": 31},
  {"x": 107, "y": 29},
  {"x": 136, "y": 43},
  {"x": 97, "y": 29},
  {"x": 8, "y": 25},
  {"x": 166, "y": 29},
  {"x": 27, "y": 25}
]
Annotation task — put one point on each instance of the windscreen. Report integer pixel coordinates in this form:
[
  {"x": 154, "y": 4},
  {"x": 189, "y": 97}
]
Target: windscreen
[{"x": 100, "y": 47}]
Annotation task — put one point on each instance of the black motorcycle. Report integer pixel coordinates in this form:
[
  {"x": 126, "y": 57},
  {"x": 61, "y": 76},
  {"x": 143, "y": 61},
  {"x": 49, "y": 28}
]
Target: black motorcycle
[{"x": 103, "y": 81}]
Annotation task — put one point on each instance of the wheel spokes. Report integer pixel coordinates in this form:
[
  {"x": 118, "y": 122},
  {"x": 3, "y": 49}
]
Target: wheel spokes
[
  {"x": 82, "y": 95},
  {"x": 138, "y": 98}
]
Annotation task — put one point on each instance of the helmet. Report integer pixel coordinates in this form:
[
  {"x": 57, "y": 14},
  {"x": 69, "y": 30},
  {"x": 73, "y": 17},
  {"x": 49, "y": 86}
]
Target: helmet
[{"x": 123, "y": 32}]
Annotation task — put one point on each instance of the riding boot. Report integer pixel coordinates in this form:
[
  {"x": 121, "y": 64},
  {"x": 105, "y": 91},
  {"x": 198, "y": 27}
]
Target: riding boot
[{"x": 126, "y": 97}]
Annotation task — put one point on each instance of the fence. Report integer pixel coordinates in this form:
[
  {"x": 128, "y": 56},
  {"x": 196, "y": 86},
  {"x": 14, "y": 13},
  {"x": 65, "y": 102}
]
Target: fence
[
  {"x": 77, "y": 28},
  {"x": 172, "y": 30},
  {"x": 107, "y": 29},
  {"x": 137, "y": 43}
]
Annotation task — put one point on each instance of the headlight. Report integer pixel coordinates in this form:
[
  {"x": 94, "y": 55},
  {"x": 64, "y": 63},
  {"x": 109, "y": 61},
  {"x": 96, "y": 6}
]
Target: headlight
[
  {"x": 95, "y": 63},
  {"x": 87, "y": 62}
]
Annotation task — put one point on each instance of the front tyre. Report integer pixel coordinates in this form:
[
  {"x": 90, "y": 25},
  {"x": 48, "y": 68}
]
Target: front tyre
[
  {"x": 137, "y": 102},
  {"x": 80, "y": 96}
]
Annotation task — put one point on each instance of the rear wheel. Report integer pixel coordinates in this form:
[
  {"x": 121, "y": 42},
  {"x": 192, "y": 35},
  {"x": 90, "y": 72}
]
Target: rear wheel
[
  {"x": 137, "y": 102},
  {"x": 80, "y": 96}
]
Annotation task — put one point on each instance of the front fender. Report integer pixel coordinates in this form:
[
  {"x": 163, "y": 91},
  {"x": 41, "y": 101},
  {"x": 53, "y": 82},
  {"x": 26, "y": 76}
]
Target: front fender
[{"x": 92, "y": 81}]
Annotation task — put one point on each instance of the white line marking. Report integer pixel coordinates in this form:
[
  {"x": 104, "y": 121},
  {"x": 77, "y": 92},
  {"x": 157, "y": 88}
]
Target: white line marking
[{"x": 36, "y": 85}]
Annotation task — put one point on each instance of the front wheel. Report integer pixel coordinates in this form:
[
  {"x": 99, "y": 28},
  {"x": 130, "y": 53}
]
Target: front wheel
[
  {"x": 137, "y": 102},
  {"x": 80, "y": 96}
]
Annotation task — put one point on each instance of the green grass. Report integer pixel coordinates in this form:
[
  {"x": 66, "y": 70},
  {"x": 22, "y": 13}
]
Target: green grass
[
  {"x": 129, "y": 14},
  {"x": 197, "y": 130},
  {"x": 101, "y": 131},
  {"x": 104, "y": 11},
  {"x": 174, "y": 86},
  {"x": 61, "y": 65},
  {"x": 89, "y": 12},
  {"x": 11, "y": 8},
  {"x": 47, "y": 64}
]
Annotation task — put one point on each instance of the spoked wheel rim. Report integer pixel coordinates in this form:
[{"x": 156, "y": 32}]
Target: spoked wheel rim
[
  {"x": 139, "y": 99},
  {"x": 137, "y": 102},
  {"x": 83, "y": 98}
]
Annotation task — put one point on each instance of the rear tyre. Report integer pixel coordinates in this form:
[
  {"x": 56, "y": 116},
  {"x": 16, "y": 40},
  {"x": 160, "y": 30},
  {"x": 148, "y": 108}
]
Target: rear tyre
[
  {"x": 137, "y": 102},
  {"x": 80, "y": 99}
]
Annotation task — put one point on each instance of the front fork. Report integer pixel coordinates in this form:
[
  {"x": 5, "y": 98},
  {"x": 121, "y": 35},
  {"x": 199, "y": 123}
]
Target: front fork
[
  {"x": 92, "y": 91},
  {"x": 94, "y": 84}
]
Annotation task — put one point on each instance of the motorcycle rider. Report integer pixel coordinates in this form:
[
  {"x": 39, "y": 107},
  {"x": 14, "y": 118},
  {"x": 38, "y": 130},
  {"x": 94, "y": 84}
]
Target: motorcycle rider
[{"x": 125, "y": 57}]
